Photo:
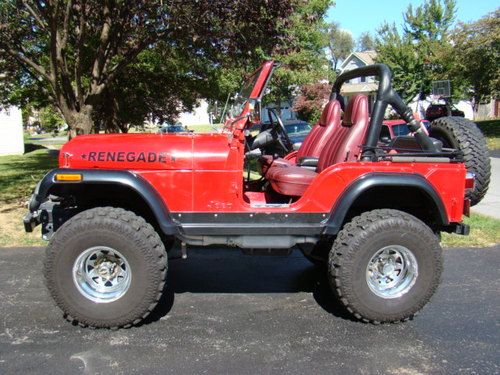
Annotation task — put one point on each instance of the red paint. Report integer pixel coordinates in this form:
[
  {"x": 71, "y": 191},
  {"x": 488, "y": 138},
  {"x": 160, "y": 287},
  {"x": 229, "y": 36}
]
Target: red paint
[{"x": 204, "y": 172}]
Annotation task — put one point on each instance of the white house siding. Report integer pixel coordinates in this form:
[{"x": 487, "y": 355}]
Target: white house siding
[
  {"x": 199, "y": 115},
  {"x": 11, "y": 132},
  {"x": 286, "y": 112},
  {"x": 354, "y": 62},
  {"x": 419, "y": 107}
]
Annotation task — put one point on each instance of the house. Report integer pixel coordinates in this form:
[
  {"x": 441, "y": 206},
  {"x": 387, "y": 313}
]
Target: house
[
  {"x": 198, "y": 116},
  {"x": 360, "y": 85},
  {"x": 11, "y": 131},
  {"x": 286, "y": 112}
]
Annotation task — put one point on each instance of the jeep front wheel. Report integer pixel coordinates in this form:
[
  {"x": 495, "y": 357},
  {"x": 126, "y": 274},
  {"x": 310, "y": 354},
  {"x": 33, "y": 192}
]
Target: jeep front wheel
[
  {"x": 106, "y": 268},
  {"x": 385, "y": 265}
]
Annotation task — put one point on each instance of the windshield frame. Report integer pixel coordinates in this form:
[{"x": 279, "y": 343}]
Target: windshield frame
[{"x": 249, "y": 97}]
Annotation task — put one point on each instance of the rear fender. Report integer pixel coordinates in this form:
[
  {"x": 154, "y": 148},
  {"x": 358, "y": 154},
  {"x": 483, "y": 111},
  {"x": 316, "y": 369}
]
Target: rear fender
[{"x": 369, "y": 181}]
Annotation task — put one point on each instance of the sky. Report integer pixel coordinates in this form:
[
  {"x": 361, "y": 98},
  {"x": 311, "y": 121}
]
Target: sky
[{"x": 358, "y": 16}]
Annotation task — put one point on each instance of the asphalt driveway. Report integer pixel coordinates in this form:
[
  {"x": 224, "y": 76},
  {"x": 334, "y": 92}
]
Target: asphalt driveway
[{"x": 230, "y": 313}]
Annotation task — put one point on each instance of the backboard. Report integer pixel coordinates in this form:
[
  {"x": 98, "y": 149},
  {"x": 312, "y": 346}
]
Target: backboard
[{"x": 441, "y": 88}]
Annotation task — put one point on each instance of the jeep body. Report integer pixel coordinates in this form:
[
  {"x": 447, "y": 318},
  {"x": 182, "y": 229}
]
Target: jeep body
[{"x": 191, "y": 187}]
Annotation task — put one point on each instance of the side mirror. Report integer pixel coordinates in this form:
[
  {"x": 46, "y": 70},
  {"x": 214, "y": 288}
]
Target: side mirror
[{"x": 385, "y": 140}]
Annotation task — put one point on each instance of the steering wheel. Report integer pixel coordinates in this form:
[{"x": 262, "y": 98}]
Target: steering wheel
[{"x": 279, "y": 131}]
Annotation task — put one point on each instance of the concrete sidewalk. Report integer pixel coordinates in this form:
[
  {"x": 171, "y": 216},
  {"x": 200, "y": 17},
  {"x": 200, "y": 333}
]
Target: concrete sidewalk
[{"x": 490, "y": 205}]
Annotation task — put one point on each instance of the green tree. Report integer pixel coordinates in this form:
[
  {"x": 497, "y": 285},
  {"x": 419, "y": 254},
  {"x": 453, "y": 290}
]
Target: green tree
[
  {"x": 50, "y": 121},
  {"x": 475, "y": 56},
  {"x": 413, "y": 55},
  {"x": 340, "y": 44},
  {"x": 302, "y": 56},
  {"x": 365, "y": 42},
  {"x": 78, "y": 54}
]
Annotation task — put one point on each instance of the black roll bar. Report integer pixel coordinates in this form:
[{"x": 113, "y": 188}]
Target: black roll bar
[{"x": 385, "y": 96}]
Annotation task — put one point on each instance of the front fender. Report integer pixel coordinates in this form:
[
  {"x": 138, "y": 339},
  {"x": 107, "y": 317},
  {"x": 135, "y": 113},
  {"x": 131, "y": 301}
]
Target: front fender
[{"x": 109, "y": 177}]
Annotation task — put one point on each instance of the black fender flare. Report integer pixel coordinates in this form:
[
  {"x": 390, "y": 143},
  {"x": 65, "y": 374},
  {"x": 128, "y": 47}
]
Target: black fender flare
[
  {"x": 109, "y": 177},
  {"x": 370, "y": 180}
]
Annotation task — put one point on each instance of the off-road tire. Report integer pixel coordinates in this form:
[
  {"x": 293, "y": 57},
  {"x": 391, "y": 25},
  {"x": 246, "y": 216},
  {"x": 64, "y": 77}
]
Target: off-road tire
[
  {"x": 119, "y": 229},
  {"x": 463, "y": 134},
  {"x": 357, "y": 243}
]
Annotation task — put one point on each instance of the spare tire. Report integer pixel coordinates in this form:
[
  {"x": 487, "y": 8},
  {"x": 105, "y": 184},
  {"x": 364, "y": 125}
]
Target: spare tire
[{"x": 462, "y": 134}]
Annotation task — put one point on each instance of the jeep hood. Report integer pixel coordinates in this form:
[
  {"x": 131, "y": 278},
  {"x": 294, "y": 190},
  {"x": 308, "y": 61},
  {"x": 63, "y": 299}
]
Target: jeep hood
[{"x": 142, "y": 151}]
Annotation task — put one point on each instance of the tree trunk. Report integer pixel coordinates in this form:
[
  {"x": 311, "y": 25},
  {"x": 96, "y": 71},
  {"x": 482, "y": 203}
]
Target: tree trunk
[{"x": 79, "y": 122}]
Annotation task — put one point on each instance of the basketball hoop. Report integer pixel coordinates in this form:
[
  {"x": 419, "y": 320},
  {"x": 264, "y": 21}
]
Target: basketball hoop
[{"x": 441, "y": 89}]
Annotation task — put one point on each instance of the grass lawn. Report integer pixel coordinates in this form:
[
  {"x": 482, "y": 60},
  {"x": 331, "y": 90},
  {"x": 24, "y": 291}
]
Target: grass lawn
[
  {"x": 19, "y": 175},
  {"x": 484, "y": 232},
  {"x": 205, "y": 128},
  {"x": 491, "y": 130}
]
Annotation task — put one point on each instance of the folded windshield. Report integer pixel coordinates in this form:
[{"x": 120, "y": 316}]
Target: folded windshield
[{"x": 243, "y": 96}]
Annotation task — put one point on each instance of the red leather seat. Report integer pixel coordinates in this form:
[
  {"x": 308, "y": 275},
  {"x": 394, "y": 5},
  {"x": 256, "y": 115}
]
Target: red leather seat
[
  {"x": 315, "y": 140},
  {"x": 343, "y": 146},
  {"x": 347, "y": 142},
  {"x": 289, "y": 179},
  {"x": 328, "y": 123}
]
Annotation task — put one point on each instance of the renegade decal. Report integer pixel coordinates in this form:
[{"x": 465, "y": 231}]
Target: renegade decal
[{"x": 121, "y": 156}]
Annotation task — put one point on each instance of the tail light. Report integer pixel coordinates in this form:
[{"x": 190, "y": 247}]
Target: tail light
[{"x": 470, "y": 179}]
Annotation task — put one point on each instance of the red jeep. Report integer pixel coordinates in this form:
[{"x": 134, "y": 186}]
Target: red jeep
[{"x": 373, "y": 215}]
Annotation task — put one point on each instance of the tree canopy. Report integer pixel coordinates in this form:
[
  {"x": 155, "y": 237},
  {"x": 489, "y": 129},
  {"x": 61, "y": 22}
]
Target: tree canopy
[
  {"x": 365, "y": 42},
  {"x": 413, "y": 55},
  {"x": 302, "y": 57},
  {"x": 474, "y": 57},
  {"x": 112, "y": 62},
  {"x": 340, "y": 43}
]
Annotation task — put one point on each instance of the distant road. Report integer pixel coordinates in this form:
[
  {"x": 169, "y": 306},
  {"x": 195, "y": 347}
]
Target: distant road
[
  {"x": 490, "y": 205},
  {"x": 42, "y": 140}
]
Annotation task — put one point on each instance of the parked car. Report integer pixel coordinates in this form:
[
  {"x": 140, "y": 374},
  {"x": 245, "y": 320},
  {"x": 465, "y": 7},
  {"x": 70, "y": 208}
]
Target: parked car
[
  {"x": 395, "y": 128},
  {"x": 435, "y": 111},
  {"x": 169, "y": 128},
  {"x": 296, "y": 130}
]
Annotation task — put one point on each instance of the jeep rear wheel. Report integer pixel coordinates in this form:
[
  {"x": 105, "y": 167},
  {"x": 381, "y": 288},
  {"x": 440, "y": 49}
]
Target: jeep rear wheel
[
  {"x": 106, "y": 268},
  {"x": 464, "y": 135},
  {"x": 384, "y": 266}
]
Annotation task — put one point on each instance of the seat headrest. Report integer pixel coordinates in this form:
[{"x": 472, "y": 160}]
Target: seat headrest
[
  {"x": 330, "y": 113},
  {"x": 356, "y": 109}
]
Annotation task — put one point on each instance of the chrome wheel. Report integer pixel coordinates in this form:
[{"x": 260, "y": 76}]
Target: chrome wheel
[
  {"x": 392, "y": 271},
  {"x": 102, "y": 274}
]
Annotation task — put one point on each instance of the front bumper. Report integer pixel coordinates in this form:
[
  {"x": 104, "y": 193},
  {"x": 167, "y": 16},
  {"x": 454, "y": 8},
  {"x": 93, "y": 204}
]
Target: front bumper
[{"x": 30, "y": 221}]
